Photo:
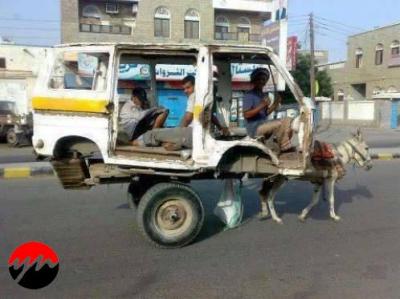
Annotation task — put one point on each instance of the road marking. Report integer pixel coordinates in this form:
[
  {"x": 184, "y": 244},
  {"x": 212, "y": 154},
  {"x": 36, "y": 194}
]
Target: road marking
[
  {"x": 15, "y": 173},
  {"x": 385, "y": 157}
]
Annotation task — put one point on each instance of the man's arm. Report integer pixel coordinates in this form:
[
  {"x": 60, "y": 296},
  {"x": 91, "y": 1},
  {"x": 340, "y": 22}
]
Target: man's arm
[
  {"x": 275, "y": 105},
  {"x": 187, "y": 119},
  {"x": 253, "y": 112}
]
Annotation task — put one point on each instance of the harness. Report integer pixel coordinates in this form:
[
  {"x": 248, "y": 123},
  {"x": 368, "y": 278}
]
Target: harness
[{"x": 357, "y": 151}]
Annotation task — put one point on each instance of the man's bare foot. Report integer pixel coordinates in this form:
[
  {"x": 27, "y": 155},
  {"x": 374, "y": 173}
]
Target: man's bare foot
[{"x": 171, "y": 146}]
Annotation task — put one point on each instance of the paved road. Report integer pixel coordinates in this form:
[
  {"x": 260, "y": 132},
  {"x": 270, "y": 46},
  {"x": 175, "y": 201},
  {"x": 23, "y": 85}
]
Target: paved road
[
  {"x": 102, "y": 254},
  {"x": 16, "y": 155}
]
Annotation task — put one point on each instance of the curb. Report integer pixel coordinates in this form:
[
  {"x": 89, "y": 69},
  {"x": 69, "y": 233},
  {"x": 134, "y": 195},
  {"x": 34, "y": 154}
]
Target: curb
[
  {"x": 385, "y": 156},
  {"x": 19, "y": 172}
]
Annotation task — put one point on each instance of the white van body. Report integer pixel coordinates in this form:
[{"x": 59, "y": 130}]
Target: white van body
[{"x": 62, "y": 114}]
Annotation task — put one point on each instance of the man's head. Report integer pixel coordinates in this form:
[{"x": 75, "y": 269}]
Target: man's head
[
  {"x": 259, "y": 77},
  {"x": 188, "y": 85},
  {"x": 139, "y": 97}
]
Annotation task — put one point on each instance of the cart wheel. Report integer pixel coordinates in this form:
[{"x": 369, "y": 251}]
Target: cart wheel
[
  {"x": 12, "y": 138},
  {"x": 170, "y": 215}
]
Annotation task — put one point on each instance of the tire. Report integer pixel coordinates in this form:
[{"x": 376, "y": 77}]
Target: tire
[
  {"x": 170, "y": 215},
  {"x": 137, "y": 188},
  {"x": 12, "y": 138}
]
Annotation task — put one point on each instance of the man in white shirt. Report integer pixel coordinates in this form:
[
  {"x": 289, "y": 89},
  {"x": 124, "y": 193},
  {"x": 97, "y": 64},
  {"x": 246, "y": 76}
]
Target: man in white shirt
[
  {"x": 188, "y": 89},
  {"x": 136, "y": 116}
]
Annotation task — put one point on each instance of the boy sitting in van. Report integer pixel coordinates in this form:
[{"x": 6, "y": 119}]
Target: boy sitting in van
[{"x": 136, "y": 116}]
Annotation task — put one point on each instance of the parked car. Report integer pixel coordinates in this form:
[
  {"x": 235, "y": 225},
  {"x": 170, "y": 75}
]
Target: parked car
[{"x": 15, "y": 129}]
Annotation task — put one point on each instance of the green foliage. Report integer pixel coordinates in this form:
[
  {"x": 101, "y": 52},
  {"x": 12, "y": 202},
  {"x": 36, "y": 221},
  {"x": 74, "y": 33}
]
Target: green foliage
[{"x": 302, "y": 77}]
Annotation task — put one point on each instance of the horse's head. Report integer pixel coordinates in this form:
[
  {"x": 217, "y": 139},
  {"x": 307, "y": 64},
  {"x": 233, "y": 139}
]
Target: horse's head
[{"x": 361, "y": 155}]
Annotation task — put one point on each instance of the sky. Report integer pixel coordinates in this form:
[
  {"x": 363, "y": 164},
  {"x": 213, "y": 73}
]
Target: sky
[
  {"x": 38, "y": 21},
  {"x": 337, "y": 19}
]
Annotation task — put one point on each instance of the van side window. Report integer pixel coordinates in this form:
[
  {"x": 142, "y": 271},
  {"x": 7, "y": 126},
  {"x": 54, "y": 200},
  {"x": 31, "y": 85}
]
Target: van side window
[{"x": 80, "y": 71}]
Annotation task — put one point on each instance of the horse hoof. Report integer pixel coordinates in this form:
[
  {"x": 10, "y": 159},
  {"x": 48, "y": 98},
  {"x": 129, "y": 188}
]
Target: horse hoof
[
  {"x": 263, "y": 216},
  {"x": 335, "y": 218},
  {"x": 302, "y": 218},
  {"x": 279, "y": 221}
]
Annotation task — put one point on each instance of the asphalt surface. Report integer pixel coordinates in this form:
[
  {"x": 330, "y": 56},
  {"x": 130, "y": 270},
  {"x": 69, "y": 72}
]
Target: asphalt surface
[
  {"x": 16, "y": 155},
  {"x": 102, "y": 254}
]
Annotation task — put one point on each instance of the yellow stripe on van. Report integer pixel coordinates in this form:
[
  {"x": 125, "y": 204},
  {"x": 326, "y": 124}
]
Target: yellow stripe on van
[
  {"x": 197, "y": 111},
  {"x": 70, "y": 104}
]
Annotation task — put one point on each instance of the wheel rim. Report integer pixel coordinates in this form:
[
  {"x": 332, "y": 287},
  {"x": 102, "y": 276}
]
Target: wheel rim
[
  {"x": 173, "y": 217},
  {"x": 11, "y": 138}
]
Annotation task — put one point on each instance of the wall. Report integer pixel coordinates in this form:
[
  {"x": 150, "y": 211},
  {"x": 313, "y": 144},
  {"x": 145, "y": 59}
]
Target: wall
[
  {"x": 143, "y": 22},
  {"x": 372, "y": 75},
  {"x": 144, "y": 30},
  {"x": 357, "y": 113},
  {"x": 17, "y": 81}
]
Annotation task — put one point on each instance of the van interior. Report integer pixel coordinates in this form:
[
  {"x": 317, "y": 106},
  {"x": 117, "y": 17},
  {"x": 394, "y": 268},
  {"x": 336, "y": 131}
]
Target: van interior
[{"x": 161, "y": 74}]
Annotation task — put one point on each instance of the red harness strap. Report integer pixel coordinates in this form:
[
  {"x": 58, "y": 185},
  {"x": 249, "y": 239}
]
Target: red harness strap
[{"x": 324, "y": 158}]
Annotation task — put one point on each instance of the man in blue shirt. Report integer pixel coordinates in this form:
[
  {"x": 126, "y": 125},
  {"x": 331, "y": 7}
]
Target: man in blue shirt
[{"x": 256, "y": 108}]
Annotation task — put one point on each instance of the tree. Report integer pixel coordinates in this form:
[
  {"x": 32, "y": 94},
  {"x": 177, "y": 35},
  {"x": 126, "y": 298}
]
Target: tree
[{"x": 302, "y": 77}]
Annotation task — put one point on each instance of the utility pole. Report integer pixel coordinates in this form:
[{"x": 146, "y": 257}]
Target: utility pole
[{"x": 312, "y": 52}]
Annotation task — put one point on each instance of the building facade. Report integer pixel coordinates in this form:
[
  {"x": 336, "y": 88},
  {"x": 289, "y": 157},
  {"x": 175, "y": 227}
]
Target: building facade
[
  {"x": 227, "y": 21},
  {"x": 321, "y": 56},
  {"x": 372, "y": 66},
  {"x": 19, "y": 68}
]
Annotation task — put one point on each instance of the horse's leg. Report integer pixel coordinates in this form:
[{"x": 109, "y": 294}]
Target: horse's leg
[
  {"x": 265, "y": 189},
  {"x": 271, "y": 198},
  {"x": 331, "y": 196},
  {"x": 314, "y": 201}
]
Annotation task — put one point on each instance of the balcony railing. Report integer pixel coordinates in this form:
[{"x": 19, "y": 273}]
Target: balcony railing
[
  {"x": 226, "y": 35},
  {"x": 236, "y": 36},
  {"x": 110, "y": 29},
  {"x": 256, "y": 38}
]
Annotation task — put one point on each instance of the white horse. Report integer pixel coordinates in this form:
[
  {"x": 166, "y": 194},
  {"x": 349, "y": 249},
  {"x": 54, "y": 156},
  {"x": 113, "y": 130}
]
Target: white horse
[{"x": 353, "y": 150}]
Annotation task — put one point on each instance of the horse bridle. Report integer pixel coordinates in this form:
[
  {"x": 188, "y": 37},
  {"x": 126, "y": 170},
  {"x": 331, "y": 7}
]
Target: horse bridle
[{"x": 357, "y": 151}]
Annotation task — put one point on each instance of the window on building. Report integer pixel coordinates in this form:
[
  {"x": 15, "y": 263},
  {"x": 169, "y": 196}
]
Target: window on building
[
  {"x": 244, "y": 25},
  {"x": 359, "y": 58},
  {"x": 91, "y": 11},
  {"x": 86, "y": 28},
  {"x": 221, "y": 27},
  {"x": 96, "y": 28},
  {"x": 80, "y": 70},
  {"x": 340, "y": 95},
  {"x": 377, "y": 90},
  {"x": 112, "y": 8},
  {"x": 162, "y": 20},
  {"x": 2, "y": 63},
  {"x": 395, "y": 48},
  {"x": 379, "y": 54},
  {"x": 192, "y": 24}
]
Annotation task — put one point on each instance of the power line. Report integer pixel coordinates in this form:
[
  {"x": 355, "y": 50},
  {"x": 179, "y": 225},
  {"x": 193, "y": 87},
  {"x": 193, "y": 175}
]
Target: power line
[
  {"x": 329, "y": 34},
  {"x": 326, "y": 30},
  {"x": 340, "y": 30},
  {"x": 29, "y": 20},
  {"x": 342, "y": 24},
  {"x": 26, "y": 28},
  {"x": 30, "y": 37}
]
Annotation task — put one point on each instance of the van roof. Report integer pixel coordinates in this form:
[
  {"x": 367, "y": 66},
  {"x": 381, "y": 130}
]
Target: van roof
[{"x": 171, "y": 46}]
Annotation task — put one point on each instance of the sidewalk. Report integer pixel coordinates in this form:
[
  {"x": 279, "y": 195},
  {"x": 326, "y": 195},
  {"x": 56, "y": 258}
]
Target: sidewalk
[
  {"x": 376, "y": 138},
  {"x": 25, "y": 170}
]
